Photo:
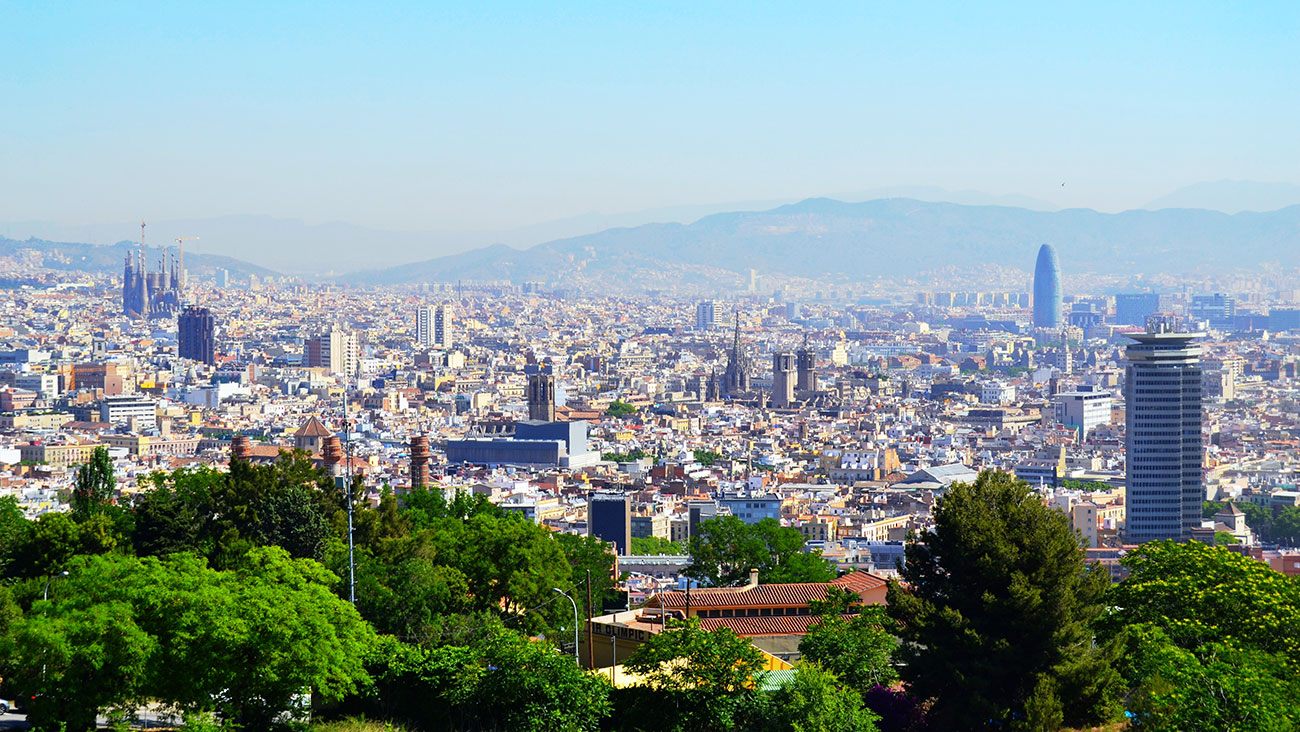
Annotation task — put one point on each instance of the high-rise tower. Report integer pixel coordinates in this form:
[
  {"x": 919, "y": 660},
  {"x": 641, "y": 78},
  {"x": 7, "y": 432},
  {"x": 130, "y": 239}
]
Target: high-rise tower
[
  {"x": 1162, "y": 393},
  {"x": 196, "y": 335},
  {"x": 1047, "y": 289},
  {"x": 706, "y": 314}
]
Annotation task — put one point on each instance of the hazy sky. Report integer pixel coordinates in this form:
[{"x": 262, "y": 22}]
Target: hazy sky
[{"x": 422, "y": 115}]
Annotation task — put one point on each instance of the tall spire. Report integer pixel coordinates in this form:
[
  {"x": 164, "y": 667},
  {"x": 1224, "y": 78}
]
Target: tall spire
[{"x": 735, "y": 340}]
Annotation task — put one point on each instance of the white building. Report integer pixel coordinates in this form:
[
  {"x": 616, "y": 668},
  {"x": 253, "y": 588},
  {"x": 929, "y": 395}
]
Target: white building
[
  {"x": 139, "y": 412},
  {"x": 433, "y": 326},
  {"x": 996, "y": 392},
  {"x": 706, "y": 314},
  {"x": 1084, "y": 409}
]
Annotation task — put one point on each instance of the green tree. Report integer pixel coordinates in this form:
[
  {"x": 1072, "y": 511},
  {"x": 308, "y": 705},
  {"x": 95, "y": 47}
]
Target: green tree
[
  {"x": 704, "y": 680},
  {"x": 852, "y": 641},
  {"x": 77, "y": 658},
  {"x": 814, "y": 700},
  {"x": 589, "y": 554},
  {"x": 1223, "y": 538},
  {"x": 687, "y": 657},
  {"x": 95, "y": 485},
  {"x": 725, "y": 549},
  {"x": 496, "y": 680},
  {"x": 1285, "y": 529},
  {"x": 14, "y": 528},
  {"x": 1201, "y": 594},
  {"x": 242, "y": 643},
  {"x": 1218, "y": 686},
  {"x": 997, "y": 596},
  {"x": 643, "y": 546},
  {"x": 620, "y": 409},
  {"x": 706, "y": 458}
]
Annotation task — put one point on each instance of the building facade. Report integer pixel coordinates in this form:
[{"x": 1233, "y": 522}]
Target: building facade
[
  {"x": 1163, "y": 441},
  {"x": 196, "y": 335},
  {"x": 1047, "y": 289}
]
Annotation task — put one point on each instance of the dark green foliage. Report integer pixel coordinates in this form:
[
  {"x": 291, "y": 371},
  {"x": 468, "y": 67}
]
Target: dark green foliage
[
  {"x": 1218, "y": 686},
  {"x": 589, "y": 554},
  {"x": 13, "y": 530},
  {"x": 1223, "y": 538},
  {"x": 221, "y": 515},
  {"x": 706, "y": 678},
  {"x": 725, "y": 549},
  {"x": 620, "y": 409},
  {"x": 997, "y": 598},
  {"x": 653, "y": 545},
  {"x": 815, "y": 701},
  {"x": 706, "y": 458},
  {"x": 1285, "y": 529},
  {"x": 241, "y": 643},
  {"x": 624, "y": 457},
  {"x": 497, "y": 680},
  {"x": 858, "y": 649},
  {"x": 95, "y": 485}
]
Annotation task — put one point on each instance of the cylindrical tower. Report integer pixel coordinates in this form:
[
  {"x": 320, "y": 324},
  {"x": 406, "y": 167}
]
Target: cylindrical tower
[
  {"x": 240, "y": 449},
  {"x": 1047, "y": 289},
  {"x": 419, "y": 461}
]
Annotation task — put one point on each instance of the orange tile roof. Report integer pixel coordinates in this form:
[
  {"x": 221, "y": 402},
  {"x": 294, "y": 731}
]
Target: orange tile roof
[
  {"x": 780, "y": 595},
  {"x": 763, "y": 625}
]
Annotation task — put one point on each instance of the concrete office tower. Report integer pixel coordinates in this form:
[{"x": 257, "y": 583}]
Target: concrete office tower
[
  {"x": 706, "y": 314},
  {"x": 1163, "y": 443},
  {"x": 1047, "y": 289},
  {"x": 338, "y": 350},
  {"x": 541, "y": 397},
  {"x": 783, "y": 378},
  {"x": 196, "y": 335},
  {"x": 609, "y": 518},
  {"x": 419, "y": 462},
  {"x": 806, "y": 361},
  {"x": 432, "y": 325}
]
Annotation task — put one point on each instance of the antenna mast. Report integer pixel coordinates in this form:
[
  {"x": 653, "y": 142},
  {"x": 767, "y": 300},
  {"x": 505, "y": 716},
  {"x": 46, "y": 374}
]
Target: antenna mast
[{"x": 347, "y": 448}]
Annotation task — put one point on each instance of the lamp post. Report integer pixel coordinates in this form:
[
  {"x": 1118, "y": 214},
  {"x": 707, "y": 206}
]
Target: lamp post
[
  {"x": 45, "y": 595},
  {"x": 575, "y": 623}
]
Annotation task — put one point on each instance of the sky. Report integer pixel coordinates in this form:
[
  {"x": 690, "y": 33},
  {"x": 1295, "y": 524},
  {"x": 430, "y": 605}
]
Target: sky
[{"x": 427, "y": 116}]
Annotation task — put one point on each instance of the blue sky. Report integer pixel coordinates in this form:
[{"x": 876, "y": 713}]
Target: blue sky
[{"x": 421, "y": 116}]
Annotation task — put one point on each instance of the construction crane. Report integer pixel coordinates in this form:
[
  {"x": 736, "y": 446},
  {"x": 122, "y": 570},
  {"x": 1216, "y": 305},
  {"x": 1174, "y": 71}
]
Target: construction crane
[{"x": 180, "y": 264}]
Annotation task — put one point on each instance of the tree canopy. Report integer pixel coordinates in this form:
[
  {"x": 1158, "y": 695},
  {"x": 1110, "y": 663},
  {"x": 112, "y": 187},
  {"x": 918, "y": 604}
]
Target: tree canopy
[
  {"x": 725, "y": 549},
  {"x": 997, "y": 599}
]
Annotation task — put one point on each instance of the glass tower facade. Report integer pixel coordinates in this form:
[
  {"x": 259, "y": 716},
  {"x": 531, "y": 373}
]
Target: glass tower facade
[
  {"x": 1162, "y": 394},
  {"x": 1047, "y": 289}
]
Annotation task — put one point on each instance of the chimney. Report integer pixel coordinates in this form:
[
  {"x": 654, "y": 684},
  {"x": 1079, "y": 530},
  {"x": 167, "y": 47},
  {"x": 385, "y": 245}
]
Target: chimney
[
  {"x": 753, "y": 579},
  {"x": 419, "y": 462},
  {"x": 239, "y": 448},
  {"x": 331, "y": 453}
]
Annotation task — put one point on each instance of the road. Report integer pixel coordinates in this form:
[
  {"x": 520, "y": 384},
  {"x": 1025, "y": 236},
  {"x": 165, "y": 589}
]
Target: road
[{"x": 12, "y": 721}]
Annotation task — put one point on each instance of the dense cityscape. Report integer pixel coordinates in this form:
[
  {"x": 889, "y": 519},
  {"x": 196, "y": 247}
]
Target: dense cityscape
[{"x": 639, "y": 422}]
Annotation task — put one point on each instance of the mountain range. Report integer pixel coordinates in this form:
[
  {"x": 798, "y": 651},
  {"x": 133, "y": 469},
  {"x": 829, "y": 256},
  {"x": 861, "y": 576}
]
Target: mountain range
[
  {"x": 73, "y": 257},
  {"x": 331, "y": 249},
  {"x": 824, "y": 238}
]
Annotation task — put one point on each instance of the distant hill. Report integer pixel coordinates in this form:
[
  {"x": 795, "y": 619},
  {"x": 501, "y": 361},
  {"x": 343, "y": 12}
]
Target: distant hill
[
  {"x": 108, "y": 259},
  {"x": 1231, "y": 196},
  {"x": 822, "y": 237}
]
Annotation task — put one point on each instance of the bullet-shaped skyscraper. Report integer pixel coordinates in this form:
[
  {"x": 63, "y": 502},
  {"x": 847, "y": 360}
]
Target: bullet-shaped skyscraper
[
  {"x": 1162, "y": 397},
  {"x": 1047, "y": 289}
]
